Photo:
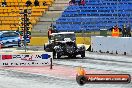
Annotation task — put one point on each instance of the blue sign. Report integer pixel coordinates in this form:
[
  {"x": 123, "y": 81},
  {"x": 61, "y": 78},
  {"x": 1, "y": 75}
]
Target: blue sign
[{"x": 45, "y": 56}]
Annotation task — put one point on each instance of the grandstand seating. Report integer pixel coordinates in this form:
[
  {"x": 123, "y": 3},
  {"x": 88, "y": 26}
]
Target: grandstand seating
[
  {"x": 10, "y": 15},
  {"x": 95, "y": 15}
]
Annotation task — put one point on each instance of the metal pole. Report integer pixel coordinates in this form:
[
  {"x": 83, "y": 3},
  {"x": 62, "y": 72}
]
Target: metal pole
[
  {"x": 54, "y": 54},
  {"x": 51, "y": 63},
  {"x": 25, "y": 27}
]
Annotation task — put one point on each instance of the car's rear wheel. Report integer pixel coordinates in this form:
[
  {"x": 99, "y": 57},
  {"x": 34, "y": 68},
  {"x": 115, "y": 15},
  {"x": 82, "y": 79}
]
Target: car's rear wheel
[
  {"x": 83, "y": 54},
  {"x": 58, "y": 56}
]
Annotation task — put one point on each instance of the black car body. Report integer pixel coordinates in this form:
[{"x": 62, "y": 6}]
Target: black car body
[{"x": 64, "y": 44}]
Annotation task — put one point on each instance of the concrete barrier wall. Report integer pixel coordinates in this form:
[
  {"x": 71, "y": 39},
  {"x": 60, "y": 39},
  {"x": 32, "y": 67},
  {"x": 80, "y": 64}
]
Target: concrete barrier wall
[
  {"x": 115, "y": 45},
  {"x": 40, "y": 41}
]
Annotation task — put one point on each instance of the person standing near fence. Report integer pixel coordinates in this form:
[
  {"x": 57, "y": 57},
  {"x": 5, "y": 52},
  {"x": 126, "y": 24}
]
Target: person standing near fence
[
  {"x": 36, "y": 3},
  {"x": 72, "y": 2},
  {"x": 128, "y": 30},
  {"x": 124, "y": 31},
  {"x": 83, "y": 2},
  {"x": 4, "y": 3},
  {"x": 115, "y": 31},
  {"x": 50, "y": 31},
  {"x": 28, "y": 3}
]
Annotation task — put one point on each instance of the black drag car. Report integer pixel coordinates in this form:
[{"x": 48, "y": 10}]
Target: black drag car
[{"x": 64, "y": 44}]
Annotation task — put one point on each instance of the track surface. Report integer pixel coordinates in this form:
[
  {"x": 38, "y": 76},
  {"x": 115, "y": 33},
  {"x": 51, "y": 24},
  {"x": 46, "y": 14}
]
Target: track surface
[{"x": 93, "y": 63}]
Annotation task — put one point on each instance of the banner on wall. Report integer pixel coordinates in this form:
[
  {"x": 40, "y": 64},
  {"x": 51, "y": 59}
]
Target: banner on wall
[{"x": 26, "y": 59}]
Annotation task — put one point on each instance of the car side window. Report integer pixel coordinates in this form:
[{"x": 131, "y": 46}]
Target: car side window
[
  {"x": 5, "y": 35},
  {"x": 13, "y": 34},
  {"x": 10, "y": 34}
]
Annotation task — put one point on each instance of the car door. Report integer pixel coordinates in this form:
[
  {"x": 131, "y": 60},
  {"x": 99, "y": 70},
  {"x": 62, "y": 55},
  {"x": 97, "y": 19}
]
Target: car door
[
  {"x": 4, "y": 38},
  {"x": 14, "y": 37},
  {"x": 9, "y": 38}
]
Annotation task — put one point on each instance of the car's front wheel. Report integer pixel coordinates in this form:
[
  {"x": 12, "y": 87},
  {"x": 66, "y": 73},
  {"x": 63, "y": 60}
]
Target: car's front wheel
[
  {"x": 20, "y": 44},
  {"x": 44, "y": 47}
]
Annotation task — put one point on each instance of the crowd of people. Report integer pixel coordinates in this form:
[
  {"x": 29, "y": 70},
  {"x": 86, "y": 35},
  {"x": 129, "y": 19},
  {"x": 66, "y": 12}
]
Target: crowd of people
[
  {"x": 125, "y": 30},
  {"x": 28, "y": 3},
  {"x": 74, "y": 2},
  {"x": 36, "y": 3}
]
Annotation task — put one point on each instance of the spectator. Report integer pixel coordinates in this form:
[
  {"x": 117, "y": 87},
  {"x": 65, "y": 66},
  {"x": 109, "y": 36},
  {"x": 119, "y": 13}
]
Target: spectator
[
  {"x": 115, "y": 31},
  {"x": 4, "y": 3},
  {"x": 72, "y": 2},
  {"x": 82, "y": 2},
  {"x": 50, "y": 31},
  {"x": 128, "y": 31},
  {"x": 36, "y": 3},
  {"x": 124, "y": 31},
  {"x": 44, "y": 3},
  {"x": 28, "y": 3}
]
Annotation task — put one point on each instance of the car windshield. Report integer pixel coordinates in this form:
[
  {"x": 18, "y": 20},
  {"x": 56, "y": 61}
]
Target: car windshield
[{"x": 60, "y": 37}]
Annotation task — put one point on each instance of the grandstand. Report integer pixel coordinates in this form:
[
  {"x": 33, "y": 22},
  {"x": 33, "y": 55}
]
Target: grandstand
[
  {"x": 53, "y": 13},
  {"x": 10, "y": 17},
  {"x": 95, "y": 15}
]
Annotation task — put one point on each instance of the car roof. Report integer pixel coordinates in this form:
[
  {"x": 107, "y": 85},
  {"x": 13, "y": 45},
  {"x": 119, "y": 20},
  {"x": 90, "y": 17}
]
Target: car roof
[
  {"x": 1, "y": 32},
  {"x": 63, "y": 33}
]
